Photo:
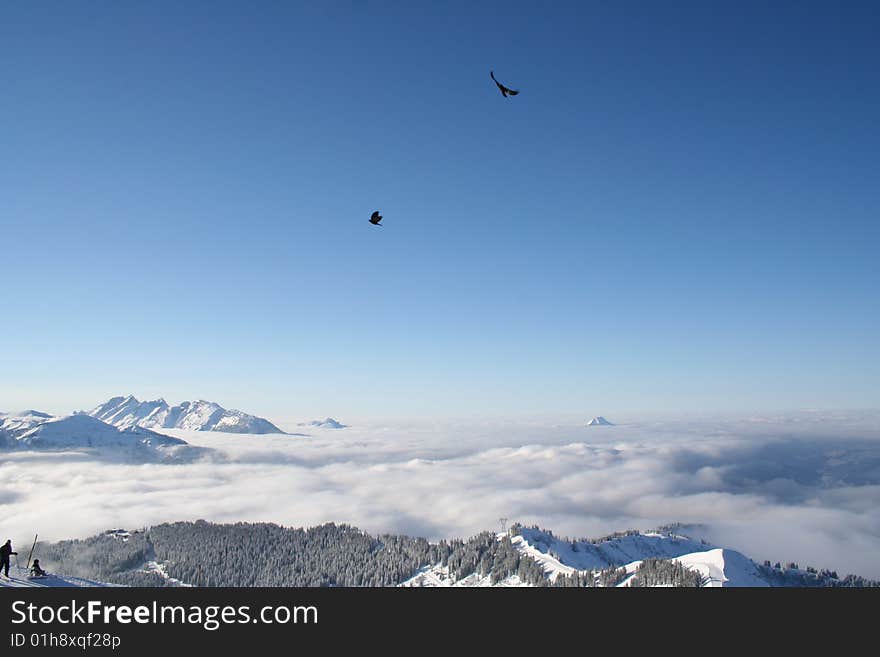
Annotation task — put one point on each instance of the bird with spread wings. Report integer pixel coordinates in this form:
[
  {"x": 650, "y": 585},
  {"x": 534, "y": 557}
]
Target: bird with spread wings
[{"x": 505, "y": 91}]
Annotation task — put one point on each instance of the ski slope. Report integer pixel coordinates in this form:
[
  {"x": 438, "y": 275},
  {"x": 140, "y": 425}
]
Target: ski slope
[{"x": 18, "y": 578}]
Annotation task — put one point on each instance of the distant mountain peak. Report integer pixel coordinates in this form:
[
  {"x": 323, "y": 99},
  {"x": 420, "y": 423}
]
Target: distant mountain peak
[
  {"x": 199, "y": 415},
  {"x": 326, "y": 423},
  {"x": 32, "y": 413},
  {"x": 599, "y": 421}
]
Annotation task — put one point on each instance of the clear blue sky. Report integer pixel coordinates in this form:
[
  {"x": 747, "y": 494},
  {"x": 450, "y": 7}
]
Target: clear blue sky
[{"x": 679, "y": 211}]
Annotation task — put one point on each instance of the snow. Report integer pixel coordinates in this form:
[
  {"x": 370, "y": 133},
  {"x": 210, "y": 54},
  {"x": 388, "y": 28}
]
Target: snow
[
  {"x": 562, "y": 557},
  {"x": 23, "y": 420},
  {"x": 19, "y": 578},
  {"x": 438, "y": 577},
  {"x": 119, "y": 534},
  {"x": 237, "y": 422},
  {"x": 159, "y": 569},
  {"x": 599, "y": 421},
  {"x": 326, "y": 423},
  {"x": 82, "y": 432},
  {"x": 723, "y": 568},
  {"x": 720, "y": 567},
  {"x": 200, "y": 415}
]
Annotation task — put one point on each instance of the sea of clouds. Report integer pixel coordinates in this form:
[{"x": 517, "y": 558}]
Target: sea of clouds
[{"x": 802, "y": 487}]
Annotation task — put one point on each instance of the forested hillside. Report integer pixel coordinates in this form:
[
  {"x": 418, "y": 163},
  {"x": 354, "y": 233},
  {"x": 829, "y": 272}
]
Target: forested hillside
[{"x": 263, "y": 554}]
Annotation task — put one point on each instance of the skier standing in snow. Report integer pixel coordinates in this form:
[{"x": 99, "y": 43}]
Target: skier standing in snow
[{"x": 5, "y": 552}]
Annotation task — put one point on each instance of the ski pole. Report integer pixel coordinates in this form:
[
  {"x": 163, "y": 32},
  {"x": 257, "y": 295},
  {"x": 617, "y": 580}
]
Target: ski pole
[{"x": 30, "y": 554}]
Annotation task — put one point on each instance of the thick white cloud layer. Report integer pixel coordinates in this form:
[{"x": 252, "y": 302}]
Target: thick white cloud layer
[{"x": 803, "y": 488}]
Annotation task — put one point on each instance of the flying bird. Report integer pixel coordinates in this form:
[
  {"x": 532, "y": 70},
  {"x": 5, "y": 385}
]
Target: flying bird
[
  {"x": 375, "y": 218},
  {"x": 504, "y": 90}
]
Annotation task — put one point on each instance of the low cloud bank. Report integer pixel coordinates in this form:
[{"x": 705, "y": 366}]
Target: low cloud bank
[{"x": 803, "y": 488}]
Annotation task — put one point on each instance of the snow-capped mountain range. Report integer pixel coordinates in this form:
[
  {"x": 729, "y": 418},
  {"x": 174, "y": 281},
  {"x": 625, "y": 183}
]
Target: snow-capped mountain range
[
  {"x": 122, "y": 427},
  {"x": 127, "y": 412}
]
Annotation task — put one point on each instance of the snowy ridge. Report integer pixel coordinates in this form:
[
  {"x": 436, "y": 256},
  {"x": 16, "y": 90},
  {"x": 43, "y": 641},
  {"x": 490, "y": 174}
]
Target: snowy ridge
[
  {"x": 128, "y": 412},
  {"x": 83, "y": 432},
  {"x": 566, "y": 557},
  {"x": 719, "y": 567},
  {"x": 11, "y": 424}
]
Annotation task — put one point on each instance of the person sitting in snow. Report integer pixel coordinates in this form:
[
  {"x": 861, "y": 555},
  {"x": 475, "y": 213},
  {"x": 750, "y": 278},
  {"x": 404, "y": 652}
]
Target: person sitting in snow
[{"x": 36, "y": 570}]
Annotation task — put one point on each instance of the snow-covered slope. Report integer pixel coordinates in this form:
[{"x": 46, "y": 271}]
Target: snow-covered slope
[
  {"x": 438, "y": 577},
  {"x": 566, "y": 557},
  {"x": 721, "y": 567},
  {"x": 126, "y": 412},
  {"x": 14, "y": 424},
  {"x": 22, "y": 421},
  {"x": 718, "y": 566},
  {"x": 157, "y": 568},
  {"x": 84, "y": 433},
  {"x": 233, "y": 421},
  {"x": 599, "y": 422},
  {"x": 19, "y": 578}
]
